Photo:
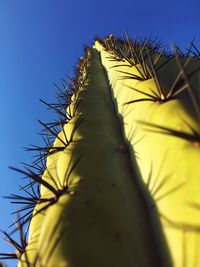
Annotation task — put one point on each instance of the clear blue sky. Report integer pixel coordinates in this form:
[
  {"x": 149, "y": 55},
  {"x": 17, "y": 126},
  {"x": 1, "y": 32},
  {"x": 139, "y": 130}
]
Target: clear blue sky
[{"x": 40, "y": 41}]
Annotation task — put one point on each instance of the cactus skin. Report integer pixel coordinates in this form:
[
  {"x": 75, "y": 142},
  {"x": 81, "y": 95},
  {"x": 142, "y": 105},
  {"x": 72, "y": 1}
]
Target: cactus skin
[
  {"x": 117, "y": 189},
  {"x": 88, "y": 218},
  {"x": 167, "y": 160}
]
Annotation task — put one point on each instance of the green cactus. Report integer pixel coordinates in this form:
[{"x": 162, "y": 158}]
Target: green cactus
[{"x": 119, "y": 184}]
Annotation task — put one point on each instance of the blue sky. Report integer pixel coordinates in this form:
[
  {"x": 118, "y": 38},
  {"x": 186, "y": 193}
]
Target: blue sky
[{"x": 41, "y": 40}]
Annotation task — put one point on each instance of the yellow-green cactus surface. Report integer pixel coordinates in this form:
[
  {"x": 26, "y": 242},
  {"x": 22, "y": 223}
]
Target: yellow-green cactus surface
[
  {"x": 164, "y": 136},
  {"x": 120, "y": 185}
]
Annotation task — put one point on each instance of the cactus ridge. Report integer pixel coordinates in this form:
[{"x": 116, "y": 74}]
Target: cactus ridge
[
  {"x": 181, "y": 88},
  {"x": 33, "y": 172}
]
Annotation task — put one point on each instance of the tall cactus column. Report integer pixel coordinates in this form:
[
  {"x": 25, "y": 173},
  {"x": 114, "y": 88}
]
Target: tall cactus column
[
  {"x": 98, "y": 216},
  {"x": 120, "y": 183}
]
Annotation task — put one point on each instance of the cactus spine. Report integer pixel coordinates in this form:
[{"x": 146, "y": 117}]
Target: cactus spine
[{"x": 120, "y": 184}]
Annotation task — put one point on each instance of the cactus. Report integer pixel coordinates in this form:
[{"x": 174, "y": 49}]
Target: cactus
[{"x": 116, "y": 183}]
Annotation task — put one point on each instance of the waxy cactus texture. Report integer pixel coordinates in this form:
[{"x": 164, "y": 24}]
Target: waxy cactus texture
[{"x": 117, "y": 182}]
